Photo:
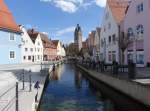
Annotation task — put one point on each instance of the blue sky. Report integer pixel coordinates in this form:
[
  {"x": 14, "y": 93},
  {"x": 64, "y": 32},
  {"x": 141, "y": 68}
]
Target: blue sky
[{"x": 58, "y": 17}]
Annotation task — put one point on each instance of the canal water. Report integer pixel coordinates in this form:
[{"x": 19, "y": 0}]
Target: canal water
[{"x": 69, "y": 90}]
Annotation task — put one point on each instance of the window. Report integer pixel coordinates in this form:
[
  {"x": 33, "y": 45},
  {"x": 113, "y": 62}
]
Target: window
[
  {"x": 140, "y": 8},
  {"x": 11, "y": 37},
  {"x": 109, "y": 39},
  {"x": 130, "y": 56},
  {"x": 31, "y": 49},
  {"x": 114, "y": 38},
  {"x": 24, "y": 57},
  {"x": 38, "y": 57},
  {"x": 140, "y": 59},
  {"x": 114, "y": 57},
  {"x": 12, "y": 55},
  {"x": 140, "y": 29},
  {"x": 26, "y": 49},
  {"x": 130, "y": 32},
  {"x": 29, "y": 57}
]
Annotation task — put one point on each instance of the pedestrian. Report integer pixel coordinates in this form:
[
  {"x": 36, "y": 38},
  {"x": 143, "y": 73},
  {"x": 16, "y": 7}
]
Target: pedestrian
[{"x": 37, "y": 86}]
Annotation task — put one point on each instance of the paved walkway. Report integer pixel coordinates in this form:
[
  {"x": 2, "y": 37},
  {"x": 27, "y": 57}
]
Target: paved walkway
[
  {"x": 142, "y": 75},
  {"x": 15, "y": 73}
]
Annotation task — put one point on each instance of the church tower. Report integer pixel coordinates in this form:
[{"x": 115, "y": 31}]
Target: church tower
[{"x": 78, "y": 37}]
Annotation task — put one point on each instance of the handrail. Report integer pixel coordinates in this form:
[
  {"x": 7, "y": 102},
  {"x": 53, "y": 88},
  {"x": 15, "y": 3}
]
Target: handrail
[{"x": 7, "y": 91}]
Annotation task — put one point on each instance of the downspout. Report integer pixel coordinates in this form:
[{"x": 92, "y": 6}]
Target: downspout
[{"x": 119, "y": 33}]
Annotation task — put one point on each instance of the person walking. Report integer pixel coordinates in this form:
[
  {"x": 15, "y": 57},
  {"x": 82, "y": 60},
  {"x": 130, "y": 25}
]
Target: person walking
[{"x": 37, "y": 86}]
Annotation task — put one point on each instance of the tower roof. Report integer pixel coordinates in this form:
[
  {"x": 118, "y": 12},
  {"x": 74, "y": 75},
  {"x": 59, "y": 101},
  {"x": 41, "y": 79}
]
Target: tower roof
[
  {"x": 78, "y": 28},
  {"x": 6, "y": 19}
]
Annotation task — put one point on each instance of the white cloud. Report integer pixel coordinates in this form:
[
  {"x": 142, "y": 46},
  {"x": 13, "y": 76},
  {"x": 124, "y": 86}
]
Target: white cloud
[
  {"x": 101, "y": 3},
  {"x": 72, "y": 6},
  {"x": 66, "y": 6},
  {"x": 66, "y": 30}
]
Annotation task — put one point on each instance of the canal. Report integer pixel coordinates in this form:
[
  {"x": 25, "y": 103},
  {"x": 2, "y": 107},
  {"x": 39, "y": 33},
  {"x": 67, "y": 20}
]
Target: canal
[{"x": 69, "y": 90}]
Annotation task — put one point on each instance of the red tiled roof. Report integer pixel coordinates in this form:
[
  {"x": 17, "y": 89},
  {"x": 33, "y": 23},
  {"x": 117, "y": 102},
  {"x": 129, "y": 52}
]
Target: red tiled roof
[
  {"x": 47, "y": 42},
  {"x": 33, "y": 34},
  {"x": 6, "y": 19},
  {"x": 118, "y": 8}
]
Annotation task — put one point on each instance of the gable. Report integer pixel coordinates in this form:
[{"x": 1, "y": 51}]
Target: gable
[
  {"x": 38, "y": 41},
  {"x": 108, "y": 19},
  {"x": 118, "y": 9}
]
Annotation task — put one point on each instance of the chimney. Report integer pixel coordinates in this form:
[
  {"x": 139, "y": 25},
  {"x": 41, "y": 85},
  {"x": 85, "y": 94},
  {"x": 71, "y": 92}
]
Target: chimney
[{"x": 32, "y": 30}]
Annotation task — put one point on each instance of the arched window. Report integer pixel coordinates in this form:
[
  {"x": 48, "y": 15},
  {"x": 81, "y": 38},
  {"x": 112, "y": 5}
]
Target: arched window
[
  {"x": 130, "y": 32},
  {"x": 140, "y": 29}
]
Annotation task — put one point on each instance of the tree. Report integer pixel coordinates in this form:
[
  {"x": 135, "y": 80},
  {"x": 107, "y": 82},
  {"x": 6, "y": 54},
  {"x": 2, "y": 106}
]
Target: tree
[{"x": 124, "y": 42}]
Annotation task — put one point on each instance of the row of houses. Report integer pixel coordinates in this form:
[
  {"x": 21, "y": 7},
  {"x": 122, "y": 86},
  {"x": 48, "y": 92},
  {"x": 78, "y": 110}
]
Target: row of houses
[
  {"x": 19, "y": 45},
  {"x": 125, "y": 25}
]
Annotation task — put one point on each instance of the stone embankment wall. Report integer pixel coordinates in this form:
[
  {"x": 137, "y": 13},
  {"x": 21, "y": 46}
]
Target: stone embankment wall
[{"x": 130, "y": 88}]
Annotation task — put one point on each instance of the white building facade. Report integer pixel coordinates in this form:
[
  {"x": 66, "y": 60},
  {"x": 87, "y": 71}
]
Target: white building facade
[
  {"x": 110, "y": 30},
  {"x": 109, "y": 34},
  {"x": 28, "y": 47},
  {"x": 38, "y": 49},
  {"x": 38, "y": 45}
]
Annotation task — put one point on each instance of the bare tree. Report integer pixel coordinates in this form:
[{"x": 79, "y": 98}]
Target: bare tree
[{"x": 124, "y": 42}]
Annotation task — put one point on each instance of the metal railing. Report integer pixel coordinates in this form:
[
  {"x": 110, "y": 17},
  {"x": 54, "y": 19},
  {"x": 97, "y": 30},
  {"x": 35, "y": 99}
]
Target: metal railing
[{"x": 9, "y": 98}]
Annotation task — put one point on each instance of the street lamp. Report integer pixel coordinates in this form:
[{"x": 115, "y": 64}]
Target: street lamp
[
  {"x": 30, "y": 84},
  {"x": 23, "y": 79}
]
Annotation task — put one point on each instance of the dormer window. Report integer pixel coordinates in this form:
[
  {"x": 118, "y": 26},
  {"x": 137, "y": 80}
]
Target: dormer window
[{"x": 11, "y": 37}]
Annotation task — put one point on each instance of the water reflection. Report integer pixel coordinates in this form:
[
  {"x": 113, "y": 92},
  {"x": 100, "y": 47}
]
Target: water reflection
[
  {"x": 68, "y": 90},
  {"x": 56, "y": 74},
  {"x": 78, "y": 79}
]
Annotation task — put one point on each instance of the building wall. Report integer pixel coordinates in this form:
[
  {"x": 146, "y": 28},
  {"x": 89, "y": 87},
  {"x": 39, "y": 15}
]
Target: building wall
[
  {"x": 39, "y": 49},
  {"x": 132, "y": 19},
  {"x": 29, "y": 54},
  {"x": 80, "y": 40},
  {"x": 6, "y": 46},
  {"x": 50, "y": 53},
  {"x": 109, "y": 28},
  {"x": 97, "y": 43}
]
